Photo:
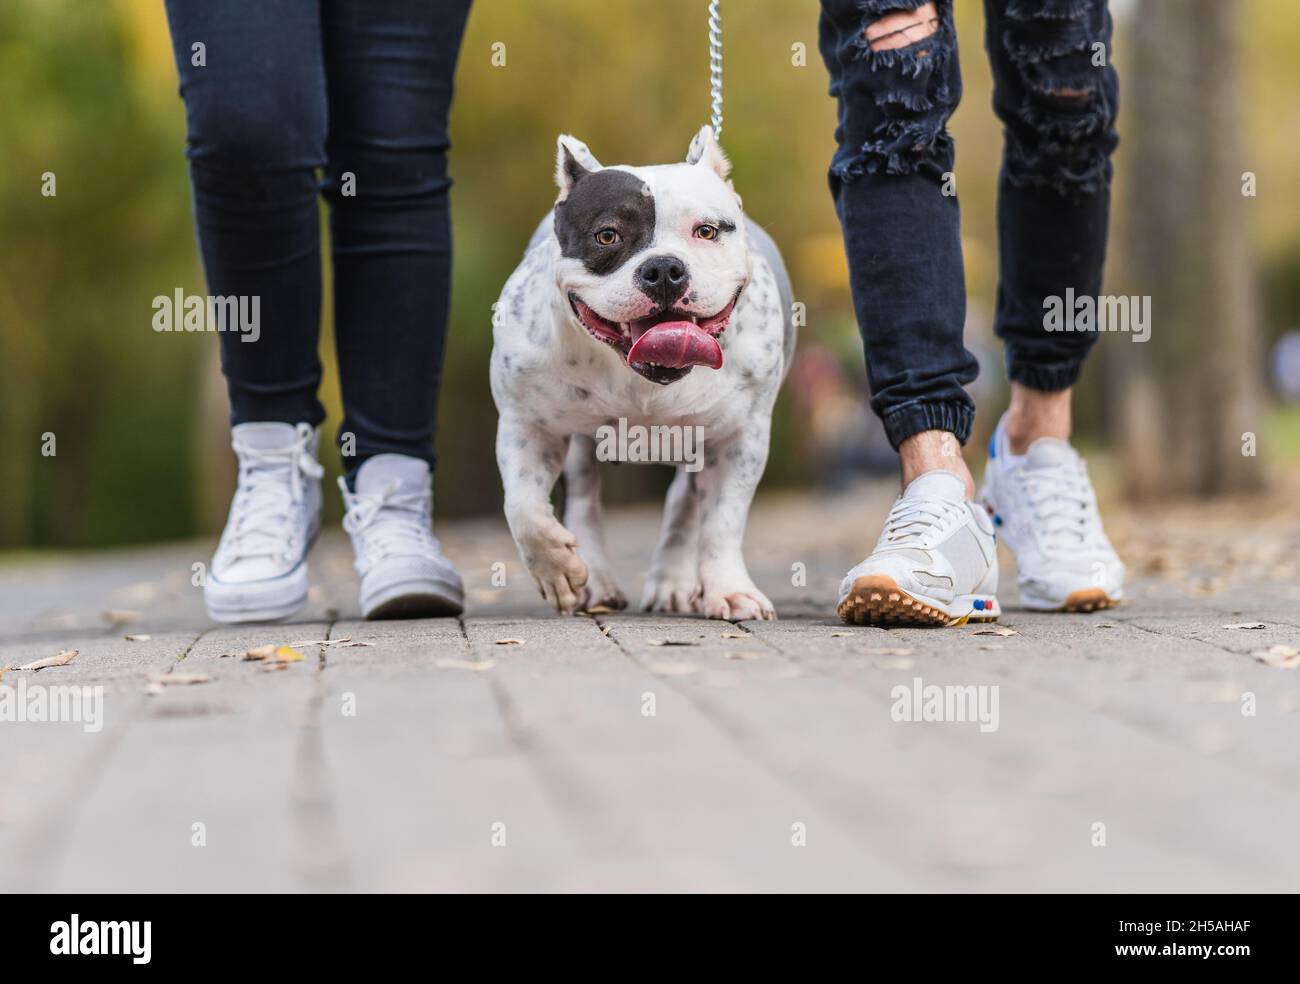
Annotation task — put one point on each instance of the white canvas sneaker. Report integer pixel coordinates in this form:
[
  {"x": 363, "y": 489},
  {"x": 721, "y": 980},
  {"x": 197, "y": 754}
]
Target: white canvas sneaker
[
  {"x": 1043, "y": 504},
  {"x": 934, "y": 564},
  {"x": 259, "y": 572},
  {"x": 404, "y": 573}
]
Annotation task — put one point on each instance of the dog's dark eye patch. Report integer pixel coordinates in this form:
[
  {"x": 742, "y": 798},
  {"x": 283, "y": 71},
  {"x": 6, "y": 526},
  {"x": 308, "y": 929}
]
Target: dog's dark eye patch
[{"x": 605, "y": 199}]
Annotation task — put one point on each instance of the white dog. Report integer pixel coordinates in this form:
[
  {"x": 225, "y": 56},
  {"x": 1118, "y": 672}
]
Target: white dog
[{"x": 646, "y": 304}]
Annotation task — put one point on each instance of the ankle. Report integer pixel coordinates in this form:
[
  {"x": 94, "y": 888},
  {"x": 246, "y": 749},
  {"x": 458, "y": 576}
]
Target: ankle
[
  {"x": 934, "y": 450},
  {"x": 1034, "y": 414}
]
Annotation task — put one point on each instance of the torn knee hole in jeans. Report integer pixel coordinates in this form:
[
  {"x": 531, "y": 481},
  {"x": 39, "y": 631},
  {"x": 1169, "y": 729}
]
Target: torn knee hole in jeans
[
  {"x": 901, "y": 28},
  {"x": 1054, "y": 45},
  {"x": 906, "y": 47}
]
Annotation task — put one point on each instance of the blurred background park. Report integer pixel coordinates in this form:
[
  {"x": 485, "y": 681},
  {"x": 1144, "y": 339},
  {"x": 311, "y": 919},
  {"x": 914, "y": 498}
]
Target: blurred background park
[{"x": 1206, "y": 221}]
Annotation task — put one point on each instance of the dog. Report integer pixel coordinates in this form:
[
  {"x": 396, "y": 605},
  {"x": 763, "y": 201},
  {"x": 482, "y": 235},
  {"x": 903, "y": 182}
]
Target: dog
[{"x": 646, "y": 303}]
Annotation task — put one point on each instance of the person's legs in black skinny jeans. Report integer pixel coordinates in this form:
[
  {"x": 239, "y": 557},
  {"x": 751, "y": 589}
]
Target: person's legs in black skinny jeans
[
  {"x": 361, "y": 88},
  {"x": 255, "y": 107},
  {"x": 389, "y": 68}
]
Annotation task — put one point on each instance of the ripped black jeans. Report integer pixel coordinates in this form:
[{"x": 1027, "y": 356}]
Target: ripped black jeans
[{"x": 1056, "y": 95}]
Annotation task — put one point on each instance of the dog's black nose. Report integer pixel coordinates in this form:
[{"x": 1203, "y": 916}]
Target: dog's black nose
[{"x": 662, "y": 278}]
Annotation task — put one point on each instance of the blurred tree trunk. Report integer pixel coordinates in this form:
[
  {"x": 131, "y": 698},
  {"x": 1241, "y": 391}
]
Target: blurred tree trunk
[{"x": 1190, "y": 395}]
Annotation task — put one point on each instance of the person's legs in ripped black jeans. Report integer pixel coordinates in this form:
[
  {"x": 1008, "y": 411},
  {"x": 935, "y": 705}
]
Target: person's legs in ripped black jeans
[
  {"x": 900, "y": 228},
  {"x": 359, "y": 92},
  {"x": 894, "y": 70},
  {"x": 1057, "y": 96},
  {"x": 361, "y": 89}
]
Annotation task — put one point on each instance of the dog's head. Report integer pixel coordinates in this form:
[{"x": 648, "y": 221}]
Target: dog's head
[{"x": 653, "y": 259}]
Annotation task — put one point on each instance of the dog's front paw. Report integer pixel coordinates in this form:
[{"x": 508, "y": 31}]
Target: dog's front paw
[
  {"x": 550, "y": 553},
  {"x": 671, "y": 591},
  {"x": 600, "y": 591},
  {"x": 736, "y": 600}
]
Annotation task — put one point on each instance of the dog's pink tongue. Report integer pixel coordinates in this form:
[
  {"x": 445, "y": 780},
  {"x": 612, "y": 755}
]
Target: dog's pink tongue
[{"x": 677, "y": 344}]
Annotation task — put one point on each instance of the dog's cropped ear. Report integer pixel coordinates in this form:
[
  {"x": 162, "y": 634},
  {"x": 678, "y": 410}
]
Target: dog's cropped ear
[
  {"x": 573, "y": 161},
  {"x": 704, "y": 150}
]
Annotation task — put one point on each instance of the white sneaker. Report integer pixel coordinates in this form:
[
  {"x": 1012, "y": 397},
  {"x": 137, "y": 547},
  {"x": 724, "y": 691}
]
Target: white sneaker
[
  {"x": 259, "y": 572},
  {"x": 390, "y": 519},
  {"x": 934, "y": 564},
  {"x": 1043, "y": 504}
]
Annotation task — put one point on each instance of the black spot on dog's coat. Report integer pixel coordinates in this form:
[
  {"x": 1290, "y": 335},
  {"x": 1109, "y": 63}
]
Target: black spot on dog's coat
[{"x": 608, "y": 199}]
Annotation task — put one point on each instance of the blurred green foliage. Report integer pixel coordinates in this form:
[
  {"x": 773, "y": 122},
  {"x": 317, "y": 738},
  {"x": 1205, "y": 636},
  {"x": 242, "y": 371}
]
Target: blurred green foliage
[{"x": 88, "y": 92}]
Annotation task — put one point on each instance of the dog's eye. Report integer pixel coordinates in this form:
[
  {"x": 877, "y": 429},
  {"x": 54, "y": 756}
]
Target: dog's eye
[
  {"x": 707, "y": 231},
  {"x": 608, "y": 237}
]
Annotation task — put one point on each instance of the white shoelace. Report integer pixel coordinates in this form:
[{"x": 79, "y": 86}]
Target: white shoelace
[
  {"x": 917, "y": 521},
  {"x": 390, "y": 523},
  {"x": 1062, "y": 502},
  {"x": 270, "y": 486}
]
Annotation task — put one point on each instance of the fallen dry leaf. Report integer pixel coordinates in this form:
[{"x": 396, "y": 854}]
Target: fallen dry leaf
[
  {"x": 62, "y": 658},
  {"x": 474, "y": 666},
  {"x": 991, "y": 647},
  {"x": 1283, "y": 657},
  {"x": 344, "y": 643},
  {"x": 138, "y": 638},
  {"x": 669, "y": 642},
  {"x": 842, "y": 635},
  {"x": 1246, "y": 625},
  {"x": 510, "y": 642},
  {"x": 888, "y": 651},
  {"x": 735, "y": 635},
  {"x": 274, "y": 653},
  {"x": 997, "y": 630},
  {"x": 741, "y": 655}
]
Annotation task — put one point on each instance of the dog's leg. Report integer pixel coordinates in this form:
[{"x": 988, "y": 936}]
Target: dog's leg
[
  {"x": 674, "y": 578},
  {"x": 530, "y": 460},
  {"x": 727, "y": 485},
  {"x": 585, "y": 518}
]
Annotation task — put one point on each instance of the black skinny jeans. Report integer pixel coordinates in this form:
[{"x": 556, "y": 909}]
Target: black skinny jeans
[
  {"x": 1056, "y": 95},
  {"x": 360, "y": 89}
]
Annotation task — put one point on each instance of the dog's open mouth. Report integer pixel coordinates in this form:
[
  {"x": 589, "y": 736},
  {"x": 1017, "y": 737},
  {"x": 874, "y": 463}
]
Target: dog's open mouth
[{"x": 663, "y": 347}]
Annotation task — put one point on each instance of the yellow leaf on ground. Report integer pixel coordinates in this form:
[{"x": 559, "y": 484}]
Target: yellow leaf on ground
[{"x": 274, "y": 653}]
